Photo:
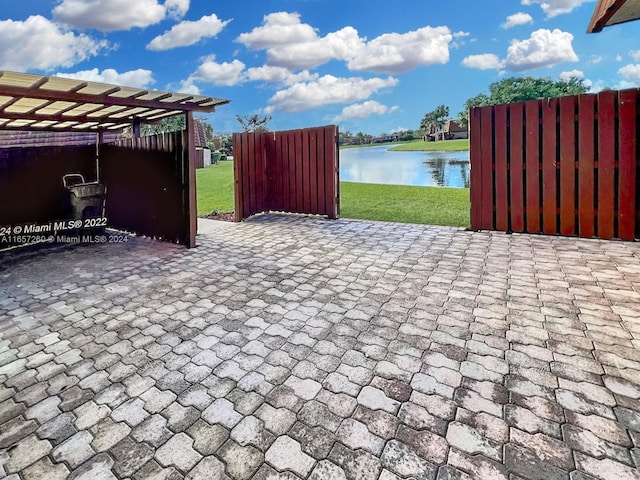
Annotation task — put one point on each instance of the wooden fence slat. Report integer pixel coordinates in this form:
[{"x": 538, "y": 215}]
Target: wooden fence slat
[
  {"x": 567, "y": 165},
  {"x": 261, "y": 178},
  {"x": 532, "y": 165},
  {"x": 586, "y": 174},
  {"x": 331, "y": 171},
  {"x": 549, "y": 111},
  {"x": 246, "y": 160},
  {"x": 252, "y": 160},
  {"x": 313, "y": 171},
  {"x": 238, "y": 177},
  {"x": 289, "y": 162},
  {"x": 291, "y": 151},
  {"x": 606, "y": 163},
  {"x": 627, "y": 164},
  {"x": 306, "y": 171},
  {"x": 283, "y": 180},
  {"x": 516, "y": 162},
  {"x": 279, "y": 174},
  {"x": 334, "y": 132},
  {"x": 500, "y": 174},
  {"x": 321, "y": 168},
  {"x": 476, "y": 165},
  {"x": 487, "y": 170},
  {"x": 255, "y": 169},
  {"x": 299, "y": 172}
]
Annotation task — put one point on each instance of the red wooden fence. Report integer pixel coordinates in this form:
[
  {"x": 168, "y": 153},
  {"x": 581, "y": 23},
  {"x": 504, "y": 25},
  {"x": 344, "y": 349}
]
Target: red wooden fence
[
  {"x": 566, "y": 166},
  {"x": 295, "y": 171}
]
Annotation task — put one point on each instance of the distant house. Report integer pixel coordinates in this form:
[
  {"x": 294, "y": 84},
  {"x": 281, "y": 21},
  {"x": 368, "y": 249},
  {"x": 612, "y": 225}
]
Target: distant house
[{"x": 450, "y": 130}]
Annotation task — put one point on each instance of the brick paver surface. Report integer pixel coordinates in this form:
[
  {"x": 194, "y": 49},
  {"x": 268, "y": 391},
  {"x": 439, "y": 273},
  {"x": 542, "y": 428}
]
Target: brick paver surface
[{"x": 291, "y": 347}]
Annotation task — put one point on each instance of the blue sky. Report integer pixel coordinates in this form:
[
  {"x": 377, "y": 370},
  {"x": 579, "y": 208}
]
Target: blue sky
[{"x": 372, "y": 66}]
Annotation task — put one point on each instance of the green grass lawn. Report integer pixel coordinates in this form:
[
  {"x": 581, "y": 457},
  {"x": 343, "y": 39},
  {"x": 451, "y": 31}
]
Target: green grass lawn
[
  {"x": 441, "y": 146},
  {"x": 399, "y": 203},
  {"x": 393, "y": 203},
  {"x": 215, "y": 188}
]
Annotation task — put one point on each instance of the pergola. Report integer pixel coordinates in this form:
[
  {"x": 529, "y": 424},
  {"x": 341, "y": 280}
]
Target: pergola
[
  {"x": 31, "y": 102},
  {"x": 613, "y": 12},
  {"x": 38, "y": 102}
]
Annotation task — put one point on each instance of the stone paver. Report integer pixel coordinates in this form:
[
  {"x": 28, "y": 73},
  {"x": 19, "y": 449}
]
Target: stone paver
[
  {"x": 289, "y": 348},
  {"x": 286, "y": 454}
]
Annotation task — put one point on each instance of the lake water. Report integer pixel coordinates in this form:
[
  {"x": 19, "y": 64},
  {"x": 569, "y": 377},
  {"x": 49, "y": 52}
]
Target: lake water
[{"x": 378, "y": 165}]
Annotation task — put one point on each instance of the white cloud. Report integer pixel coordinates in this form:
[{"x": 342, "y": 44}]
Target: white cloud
[
  {"x": 626, "y": 84},
  {"x": 631, "y": 75},
  {"x": 459, "y": 39},
  {"x": 109, "y": 15},
  {"x": 236, "y": 73},
  {"x": 295, "y": 45},
  {"x": 281, "y": 75},
  {"x": 568, "y": 75},
  {"x": 485, "y": 61},
  {"x": 176, "y": 9},
  {"x": 188, "y": 86},
  {"x": 133, "y": 78},
  {"x": 326, "y": 90},
  {"x": 280, "y": 28},
  {"x": 398, "y": 53},
  {"x": 37, "y": 43},
  {"x": 553, "y": 8},
  {"x": 336, "y": 45},
  {"x": 224, "y": 74},
  {"x": 188, "y": 33},
  {"x": 543, "y": 48},
  {"x": 618, "y": 58},
  {"x": 635, "y": 54},
  {"x": 364, "y": 110},
  {"x": 516, "y": 19},
  {"x": 595, "y": 59}
]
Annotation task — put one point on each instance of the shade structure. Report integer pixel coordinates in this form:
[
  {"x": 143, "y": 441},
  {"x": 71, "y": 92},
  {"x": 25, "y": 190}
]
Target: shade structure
[{"x": 37, "y": 102}]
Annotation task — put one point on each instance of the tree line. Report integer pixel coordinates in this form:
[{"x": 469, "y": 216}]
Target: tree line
[{"x": 508, "y": 90}]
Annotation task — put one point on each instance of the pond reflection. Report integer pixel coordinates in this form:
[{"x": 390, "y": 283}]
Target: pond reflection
[{"x": 378, "y": 165}]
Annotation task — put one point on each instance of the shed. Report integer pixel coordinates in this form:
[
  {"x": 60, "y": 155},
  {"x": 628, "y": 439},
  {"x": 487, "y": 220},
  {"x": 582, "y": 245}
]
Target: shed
[{"x": 70, "y": 126}]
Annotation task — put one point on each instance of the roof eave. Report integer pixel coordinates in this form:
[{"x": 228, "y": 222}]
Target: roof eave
[{"x": 606, "y": 10}]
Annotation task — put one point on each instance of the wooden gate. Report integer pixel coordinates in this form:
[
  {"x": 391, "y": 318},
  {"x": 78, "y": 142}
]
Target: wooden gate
[
  {"x": 566, "y": 166},
  {"x": 295, "y": 171}
]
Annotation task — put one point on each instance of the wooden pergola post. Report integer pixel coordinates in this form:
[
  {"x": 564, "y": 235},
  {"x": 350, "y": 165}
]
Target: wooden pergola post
[{"x": 190, "y": 181}]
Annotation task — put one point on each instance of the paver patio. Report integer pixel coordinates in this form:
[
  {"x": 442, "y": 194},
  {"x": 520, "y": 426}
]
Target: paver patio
[{"x": 291, "y": 347}]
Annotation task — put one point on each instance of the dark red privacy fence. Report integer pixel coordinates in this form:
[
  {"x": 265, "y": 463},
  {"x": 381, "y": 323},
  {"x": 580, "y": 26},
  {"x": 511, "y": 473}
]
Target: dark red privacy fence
[
  {"x": 148, "y": 185},
  {"x": 566, "y": 166},
  {"x": 295, "y": 171}
]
